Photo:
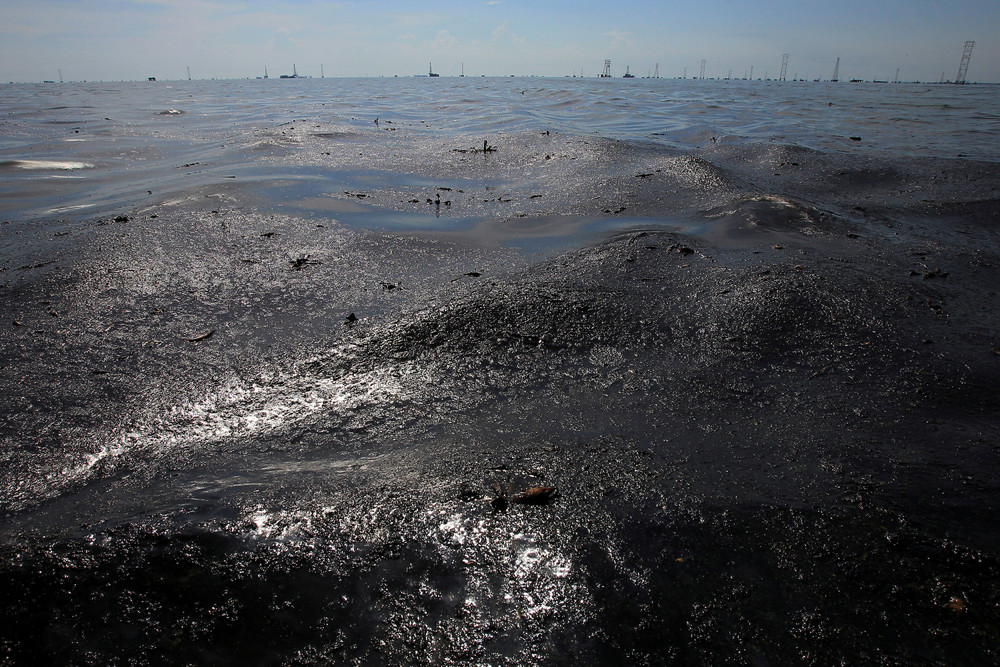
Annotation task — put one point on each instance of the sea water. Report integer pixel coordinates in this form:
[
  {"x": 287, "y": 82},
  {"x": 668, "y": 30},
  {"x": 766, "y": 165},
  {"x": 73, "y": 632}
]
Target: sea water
[{"x": 77, "y": 149}]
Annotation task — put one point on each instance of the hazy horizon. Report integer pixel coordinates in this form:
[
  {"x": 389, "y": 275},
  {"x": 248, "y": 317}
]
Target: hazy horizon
[{"x": 135, "y": 39}]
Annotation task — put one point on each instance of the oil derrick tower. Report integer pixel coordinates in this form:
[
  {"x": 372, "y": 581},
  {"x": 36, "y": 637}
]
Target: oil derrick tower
[
  {"x": 784, "y": 66},
  {"x": 701, "y": 74},
  {"x": 607, "y": 69},
  {"x": 963, "y": 66},
  {"x": 836, "y": 71}
]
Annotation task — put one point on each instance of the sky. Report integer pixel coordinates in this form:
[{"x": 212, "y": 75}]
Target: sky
[{"x": 112, "y": 40}]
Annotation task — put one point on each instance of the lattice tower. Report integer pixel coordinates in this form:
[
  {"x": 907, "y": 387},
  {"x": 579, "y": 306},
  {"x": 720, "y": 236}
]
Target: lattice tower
[{"x": 963, "y": 66}]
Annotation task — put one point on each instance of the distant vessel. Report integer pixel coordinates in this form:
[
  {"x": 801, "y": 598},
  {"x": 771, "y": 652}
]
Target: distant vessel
[
  {"x": 606, "y": 74},
  {"x": 293, "y": 75},
  {"x": 152, "y": 78},
  {"x": 836, "y": 72},
  {"x": 430, "y": 70},
  {"x": 627, "y": 75}
]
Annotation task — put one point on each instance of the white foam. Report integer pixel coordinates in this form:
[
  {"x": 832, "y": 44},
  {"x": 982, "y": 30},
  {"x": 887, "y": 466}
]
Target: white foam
[
  {"x": 63, "y": 209},
  {"x": 62, "y": 165}
]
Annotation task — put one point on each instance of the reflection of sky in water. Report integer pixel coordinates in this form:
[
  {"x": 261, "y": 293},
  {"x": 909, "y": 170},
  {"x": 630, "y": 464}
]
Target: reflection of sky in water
[
  {"x": 253, "y": 407},
  {"x": 249, "y": 409},
  {"x": 538, "y": 575}
]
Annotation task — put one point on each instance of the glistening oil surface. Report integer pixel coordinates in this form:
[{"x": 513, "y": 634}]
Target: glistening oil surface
[{"x": 270, "y": 402}]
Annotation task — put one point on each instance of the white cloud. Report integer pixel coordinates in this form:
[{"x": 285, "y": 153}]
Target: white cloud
[
  {"x": 444, "y": 39},
  {"x": 501, "y": 32}
]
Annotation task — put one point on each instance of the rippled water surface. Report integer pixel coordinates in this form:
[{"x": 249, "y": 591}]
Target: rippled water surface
[{"x": 70, "y": 149}]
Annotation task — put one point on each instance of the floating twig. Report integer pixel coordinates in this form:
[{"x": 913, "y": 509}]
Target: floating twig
[
  {"x": 201, "y": 337},
  {"x": 538, "y": 495}
]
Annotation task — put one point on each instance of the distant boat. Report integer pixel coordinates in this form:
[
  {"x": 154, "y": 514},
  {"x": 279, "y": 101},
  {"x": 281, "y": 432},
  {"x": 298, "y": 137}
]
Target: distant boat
[
  {"x": 627, "y": 75},
  {"x": 152, "y": 78},
  {"x": 293, "y": 75},
  {"x": 430, "y": 70}
]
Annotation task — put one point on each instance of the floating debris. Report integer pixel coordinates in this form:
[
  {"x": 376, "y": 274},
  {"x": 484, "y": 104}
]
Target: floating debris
[
  {"x": 538, "y": 495},
  {"x": 485, "y": 149},
  {"x": 302, "y": 262},
  {"x": 499, "y": 502},
  {"x": 200, "y": 337},
  {"x": 682, "y": 249}
]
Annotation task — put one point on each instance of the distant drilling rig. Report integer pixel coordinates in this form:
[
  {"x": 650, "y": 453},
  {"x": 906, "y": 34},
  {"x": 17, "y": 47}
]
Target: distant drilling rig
[
  {"x": 784, "y": 67},
  {"x": 963, "y": 66}
]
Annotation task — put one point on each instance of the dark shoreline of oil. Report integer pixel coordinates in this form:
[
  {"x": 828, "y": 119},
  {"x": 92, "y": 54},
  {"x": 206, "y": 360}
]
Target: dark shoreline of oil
[{"x": 773, "y": 441}]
